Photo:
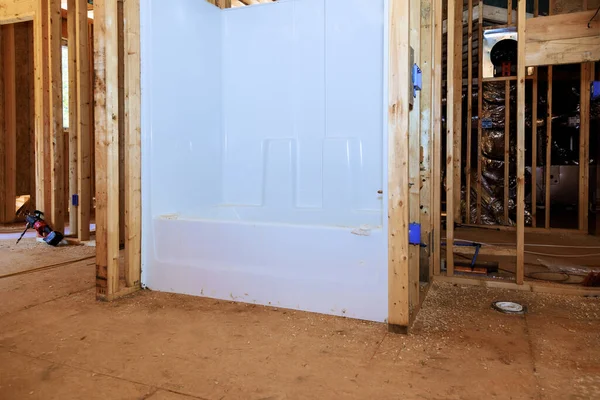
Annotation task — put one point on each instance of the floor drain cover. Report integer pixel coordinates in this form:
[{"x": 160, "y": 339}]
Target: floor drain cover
[{"x": 508, "y": 307}]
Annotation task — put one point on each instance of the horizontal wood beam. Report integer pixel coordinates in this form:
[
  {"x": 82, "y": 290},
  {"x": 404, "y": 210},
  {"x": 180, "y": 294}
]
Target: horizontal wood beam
[
  {"x": 529, "y": 286},
  {"x": 562, "y": 39},
  {"x": 486, "y": 251},
  {"x": 17, "y": 11},
  {"x": 221, "y": 3},
  {"x": 564, "y": 26},
  {"x": 495, "y": 15},
  {"x": 563, "y": 51},
  {"x": 528, "y": 229}
]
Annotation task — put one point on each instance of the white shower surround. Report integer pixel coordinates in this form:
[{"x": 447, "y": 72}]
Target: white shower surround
[{"x": 264, "y": 153}]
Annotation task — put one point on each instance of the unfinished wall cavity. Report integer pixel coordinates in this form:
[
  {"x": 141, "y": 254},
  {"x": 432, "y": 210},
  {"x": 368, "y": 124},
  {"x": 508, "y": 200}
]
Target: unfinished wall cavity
[{"x": 264, "y": 151}]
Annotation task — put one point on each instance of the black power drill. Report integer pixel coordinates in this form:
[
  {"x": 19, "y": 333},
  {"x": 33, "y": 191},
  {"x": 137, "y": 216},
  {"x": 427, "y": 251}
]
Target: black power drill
[{"x": 36, "y": 221}]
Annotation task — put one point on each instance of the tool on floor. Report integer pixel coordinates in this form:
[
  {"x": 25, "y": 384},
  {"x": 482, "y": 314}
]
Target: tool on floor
[
  {"x": 477, "y": 247},
  {"x": 473, "y": 266},
  {"x": 592, "y": 279},
  {"x": 36, "y": 221}
]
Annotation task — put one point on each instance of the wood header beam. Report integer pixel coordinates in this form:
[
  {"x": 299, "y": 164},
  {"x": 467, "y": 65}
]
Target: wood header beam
[
  {"x": 221, "y": 3},
  {"x": 14, "y": 11},
  {"x": 563, "y": 26},
  {"x": 494, "y": 15},
  {"x": 562, "y": 39}
]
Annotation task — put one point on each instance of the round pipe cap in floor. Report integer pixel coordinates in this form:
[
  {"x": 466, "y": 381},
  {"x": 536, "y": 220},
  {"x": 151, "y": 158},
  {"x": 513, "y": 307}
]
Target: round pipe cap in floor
[{"x": 508, "y": 307}]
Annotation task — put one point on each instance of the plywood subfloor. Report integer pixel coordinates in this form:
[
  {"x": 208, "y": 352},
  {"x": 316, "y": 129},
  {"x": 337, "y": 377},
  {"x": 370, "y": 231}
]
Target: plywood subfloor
[{"x": 57, "y": 342}]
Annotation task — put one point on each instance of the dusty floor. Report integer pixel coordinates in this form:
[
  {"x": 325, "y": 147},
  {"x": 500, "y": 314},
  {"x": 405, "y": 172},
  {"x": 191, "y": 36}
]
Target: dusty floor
[{"x": 56, "y": 342}]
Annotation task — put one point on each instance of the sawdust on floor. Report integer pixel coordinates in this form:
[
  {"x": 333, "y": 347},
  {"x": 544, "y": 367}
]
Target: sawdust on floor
[{"x": 57, "y": 342}]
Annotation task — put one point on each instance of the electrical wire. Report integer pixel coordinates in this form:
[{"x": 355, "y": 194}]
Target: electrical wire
[
  {"x": 547, "y": 245},
  {"x": 564, "y": 276},
  {"x": 594, "y": 16},
  {"x": 563, "y": 255},
  {"x": 538, "y": 253},
  {"x": 532, "y": 275}
]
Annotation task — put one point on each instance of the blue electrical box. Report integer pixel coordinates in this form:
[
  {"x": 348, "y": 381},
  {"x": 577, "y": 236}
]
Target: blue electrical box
[
  {"x": 75, "y": 200},
  {"x": 414, "y": 234},
  {"x": 417, "y": 78},
  {"x": 595, "y": 90},
  {"x": 486, "y": 123}
]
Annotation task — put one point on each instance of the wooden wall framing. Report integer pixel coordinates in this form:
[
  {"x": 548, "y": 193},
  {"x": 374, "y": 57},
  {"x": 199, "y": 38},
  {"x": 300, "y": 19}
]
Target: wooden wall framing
[
  {"x": 398, "y": 166},
  {"x": 436, "y": 157},
  {"x": 456, "y": 80},
  {"x": 57, "y": 155},
  {"x": 453, "y": 127},
  {"x": 107, "y": 151},
  {"x": 537, "y": 46},
  {"x": 415, "y": 157},
  {"x": 109, "y": 113},
  {"x": 83, "y": 92},
  {"x": 113, "y": 72},
  {"x": 80, "y": 131},
  {"x": 133, "y": 167},
  {"x": 8, "y": 125},
  {"x": 40, "y": 108},
  {"x": 414, "y": 162},
  {"x": 50, "y": 155},
  {"x": 574, "y": 42},
  {"x": 426, "y": 37},
  {"x": 521, "y": 28},
  {"x": 468, "y": 167},
  {"x": 587, "y": 76},
  {"x": 31, "y": 122}
]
